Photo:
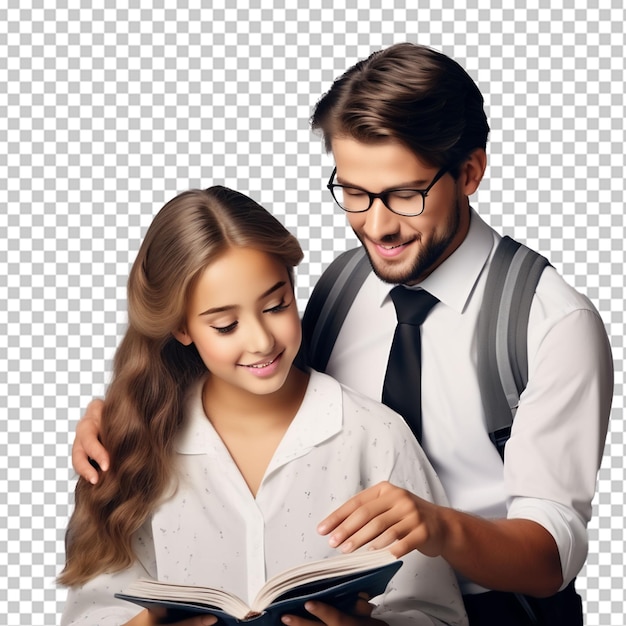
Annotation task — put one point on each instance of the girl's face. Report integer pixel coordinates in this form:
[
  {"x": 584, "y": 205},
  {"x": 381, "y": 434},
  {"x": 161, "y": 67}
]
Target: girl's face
[{"x": 243, "y": 318}]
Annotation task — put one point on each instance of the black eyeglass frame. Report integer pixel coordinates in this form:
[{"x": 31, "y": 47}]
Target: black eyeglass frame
[{"x": 383, "y": 195}]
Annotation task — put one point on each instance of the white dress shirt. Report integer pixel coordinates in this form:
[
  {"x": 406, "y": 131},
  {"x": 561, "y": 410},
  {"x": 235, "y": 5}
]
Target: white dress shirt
[
  {"x": 556, "y": 444},
  {"x": 213, "y": 532}
]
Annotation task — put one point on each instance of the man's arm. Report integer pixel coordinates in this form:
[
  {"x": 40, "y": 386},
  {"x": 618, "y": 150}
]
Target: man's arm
[
  {"x": 550, "y": 469},
  {"x": 87, "y": 445},
  {"x": 509, "y": 555}
]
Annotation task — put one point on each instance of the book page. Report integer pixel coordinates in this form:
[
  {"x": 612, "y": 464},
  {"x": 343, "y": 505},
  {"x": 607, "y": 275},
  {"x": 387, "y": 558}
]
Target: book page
[{"x": 312, "y": 571}]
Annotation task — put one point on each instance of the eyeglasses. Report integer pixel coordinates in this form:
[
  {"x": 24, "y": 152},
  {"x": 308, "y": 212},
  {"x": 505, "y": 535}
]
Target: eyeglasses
[{"x": 405, "y": 202}]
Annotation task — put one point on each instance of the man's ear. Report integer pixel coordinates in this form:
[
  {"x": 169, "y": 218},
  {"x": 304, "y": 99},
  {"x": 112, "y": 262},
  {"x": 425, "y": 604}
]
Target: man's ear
[
  {"x": 472, "y": 171},
  {"x": 182, "y": 336}
]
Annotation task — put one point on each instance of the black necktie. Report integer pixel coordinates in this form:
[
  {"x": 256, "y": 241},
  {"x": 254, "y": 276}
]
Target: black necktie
[{"x": 402, "y": 390}]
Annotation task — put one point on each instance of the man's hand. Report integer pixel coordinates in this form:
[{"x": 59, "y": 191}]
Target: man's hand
[
  {"x": 333, "y": 617},
  {"x": 384, "y": 514},
  {"x": 516, "y": 555},
  {"x": 87, "y": 445}
]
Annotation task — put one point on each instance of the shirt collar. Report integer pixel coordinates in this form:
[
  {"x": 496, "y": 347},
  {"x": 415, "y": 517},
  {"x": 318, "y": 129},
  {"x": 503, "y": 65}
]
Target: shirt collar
[{"x": 455, "y": 279}]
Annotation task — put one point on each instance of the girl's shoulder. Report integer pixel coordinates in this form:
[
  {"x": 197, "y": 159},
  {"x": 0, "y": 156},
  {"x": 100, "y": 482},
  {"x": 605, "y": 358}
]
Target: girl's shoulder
[{"x": 356, "y": 406}]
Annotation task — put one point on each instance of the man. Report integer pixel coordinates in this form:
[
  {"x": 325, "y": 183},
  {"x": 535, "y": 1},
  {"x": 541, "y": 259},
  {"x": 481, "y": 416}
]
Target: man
[{"x": 408, "y": 133}]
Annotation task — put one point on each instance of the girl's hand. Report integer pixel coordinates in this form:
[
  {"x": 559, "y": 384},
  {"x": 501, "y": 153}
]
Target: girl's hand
[
  {"x": 153, "y": 618},
  {"x": 87, "y": 445}
]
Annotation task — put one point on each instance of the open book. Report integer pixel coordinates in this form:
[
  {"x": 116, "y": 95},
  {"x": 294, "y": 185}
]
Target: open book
[{"x": 337, "y": 581}]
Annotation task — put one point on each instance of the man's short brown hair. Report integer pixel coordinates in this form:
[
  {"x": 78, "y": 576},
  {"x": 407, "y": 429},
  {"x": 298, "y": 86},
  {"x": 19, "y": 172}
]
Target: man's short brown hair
[{"x": 411, "y": 94}]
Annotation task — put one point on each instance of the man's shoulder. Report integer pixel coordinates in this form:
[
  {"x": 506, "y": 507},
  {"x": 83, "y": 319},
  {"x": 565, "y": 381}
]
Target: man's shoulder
[
  {"x": 553, "y": 292},
  {"x": 557, "y": 297}
]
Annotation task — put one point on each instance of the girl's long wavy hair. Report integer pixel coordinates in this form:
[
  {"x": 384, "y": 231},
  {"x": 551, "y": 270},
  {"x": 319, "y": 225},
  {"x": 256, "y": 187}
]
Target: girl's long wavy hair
[{"x": 151, "y": 371}]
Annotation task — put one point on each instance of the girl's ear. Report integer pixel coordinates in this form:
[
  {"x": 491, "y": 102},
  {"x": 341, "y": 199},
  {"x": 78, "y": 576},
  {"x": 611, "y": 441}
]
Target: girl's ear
[{"x": 182, "y": 336}]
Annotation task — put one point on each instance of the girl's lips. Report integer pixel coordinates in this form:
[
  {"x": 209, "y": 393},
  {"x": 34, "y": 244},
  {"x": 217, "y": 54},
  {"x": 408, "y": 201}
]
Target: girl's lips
[{"x": 264, "y": 368}]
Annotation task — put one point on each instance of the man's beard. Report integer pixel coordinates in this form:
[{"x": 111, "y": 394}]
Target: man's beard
[{"x": 427, "y": 258}]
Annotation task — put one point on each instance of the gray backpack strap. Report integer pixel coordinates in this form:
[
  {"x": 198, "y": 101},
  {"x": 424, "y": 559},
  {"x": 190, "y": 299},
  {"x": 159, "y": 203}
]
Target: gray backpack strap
[
  {"x": 502, "y": 324},
  {"x": 329, "y": 304},
  {"x": 502, "y": 334}
]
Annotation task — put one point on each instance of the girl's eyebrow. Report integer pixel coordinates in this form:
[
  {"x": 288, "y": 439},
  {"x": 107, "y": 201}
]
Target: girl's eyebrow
[
  {"x": 230, "y": 307},
  {"x": 271, "y": 290}
]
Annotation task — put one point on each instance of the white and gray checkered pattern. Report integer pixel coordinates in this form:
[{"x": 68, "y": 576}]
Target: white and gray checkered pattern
[{"x": 106, "y": 113}]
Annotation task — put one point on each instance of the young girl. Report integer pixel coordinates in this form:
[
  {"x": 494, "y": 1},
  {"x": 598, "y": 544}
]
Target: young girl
[{"x": 223, "y": 454}]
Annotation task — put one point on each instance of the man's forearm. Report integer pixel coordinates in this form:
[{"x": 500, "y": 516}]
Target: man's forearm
[{"x": 507, "y": 555}]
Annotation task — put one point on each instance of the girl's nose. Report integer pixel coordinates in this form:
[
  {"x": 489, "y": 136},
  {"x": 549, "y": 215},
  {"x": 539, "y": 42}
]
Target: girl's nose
[{"x": 261, "y": 340}]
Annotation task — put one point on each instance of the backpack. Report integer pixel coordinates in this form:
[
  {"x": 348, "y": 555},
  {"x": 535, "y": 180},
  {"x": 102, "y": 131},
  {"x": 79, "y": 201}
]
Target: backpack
[{"x": 502, "y": 324}]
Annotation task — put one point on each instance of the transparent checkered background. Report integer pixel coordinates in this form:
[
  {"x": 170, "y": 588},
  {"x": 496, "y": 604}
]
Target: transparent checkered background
[{"x": 106, "y": 113}]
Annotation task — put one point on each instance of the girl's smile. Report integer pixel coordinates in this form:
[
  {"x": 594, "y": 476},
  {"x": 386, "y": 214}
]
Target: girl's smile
[{"x": 266, "y": 368}]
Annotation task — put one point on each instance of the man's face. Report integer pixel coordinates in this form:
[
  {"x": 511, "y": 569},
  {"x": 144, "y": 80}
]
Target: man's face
[{"x": 401, "y": 249}]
